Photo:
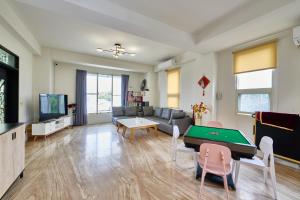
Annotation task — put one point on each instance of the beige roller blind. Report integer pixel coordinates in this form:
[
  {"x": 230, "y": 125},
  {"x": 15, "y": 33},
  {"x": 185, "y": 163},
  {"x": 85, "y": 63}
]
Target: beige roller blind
[
  {"x": 173, "y": 88},
  {"x": 256, "y": 58}
]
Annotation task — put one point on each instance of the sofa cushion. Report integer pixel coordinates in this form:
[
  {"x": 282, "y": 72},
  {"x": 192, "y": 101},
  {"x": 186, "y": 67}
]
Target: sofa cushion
[
  {"x": 117, "y": 111},
  {"x": 176, "y": 115},
  {"x": 131, "y": 111},
  {"x": 165, "y": 127},
  {"x": 148, "y": 110},
  {"x": 166, "y": 113},
  {"x": 157, "y": 112}
]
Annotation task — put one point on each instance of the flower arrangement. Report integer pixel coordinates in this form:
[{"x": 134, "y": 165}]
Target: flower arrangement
[
  {"x": 199, "y": 109},
  {"x": 72, "y": 108}
]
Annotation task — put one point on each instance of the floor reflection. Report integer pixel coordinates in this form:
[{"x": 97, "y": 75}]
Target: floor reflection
[{"x": 101, "y": 144}]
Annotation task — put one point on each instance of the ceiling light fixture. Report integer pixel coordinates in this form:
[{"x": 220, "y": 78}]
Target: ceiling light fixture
[{"x": 117, "y": 51}]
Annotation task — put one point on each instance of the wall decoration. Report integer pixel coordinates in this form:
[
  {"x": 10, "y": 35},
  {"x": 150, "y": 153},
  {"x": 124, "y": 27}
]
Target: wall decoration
[
  {"x": 203, "y": 82},
  {"x": 143, "y": 85}
]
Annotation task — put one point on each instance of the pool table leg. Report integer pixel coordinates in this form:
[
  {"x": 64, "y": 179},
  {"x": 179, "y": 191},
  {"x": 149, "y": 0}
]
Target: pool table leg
[{"x": 237, "y": 169}]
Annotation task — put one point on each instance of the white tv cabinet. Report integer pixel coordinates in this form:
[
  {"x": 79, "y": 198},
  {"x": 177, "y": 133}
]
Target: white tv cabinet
[{"x": 51, "y": 126}]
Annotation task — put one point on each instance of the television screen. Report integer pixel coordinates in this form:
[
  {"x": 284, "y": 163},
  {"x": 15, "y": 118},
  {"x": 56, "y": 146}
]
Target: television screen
[{"x": 53, "y": 106}]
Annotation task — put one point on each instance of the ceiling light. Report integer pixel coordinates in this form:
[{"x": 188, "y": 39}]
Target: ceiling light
[
  {"x": 99, "y": 50},
  {"x": 117, "y": 51}
]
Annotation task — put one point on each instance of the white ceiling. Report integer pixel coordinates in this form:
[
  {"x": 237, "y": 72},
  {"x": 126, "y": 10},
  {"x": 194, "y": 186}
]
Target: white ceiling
[
  {"x": 156, "y": 29},
  {"x": 63, "y": 32},
  {"x": 186, "y": 15}
]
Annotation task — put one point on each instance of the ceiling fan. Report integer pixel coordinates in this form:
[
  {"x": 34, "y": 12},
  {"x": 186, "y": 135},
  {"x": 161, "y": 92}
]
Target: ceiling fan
[{"x": 117, "y": 51}]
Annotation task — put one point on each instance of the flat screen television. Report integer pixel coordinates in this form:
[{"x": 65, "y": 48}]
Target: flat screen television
[{"x": 53, "y": 106}]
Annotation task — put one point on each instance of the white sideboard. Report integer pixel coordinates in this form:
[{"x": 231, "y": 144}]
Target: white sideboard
[
  {"x": 51, "y": 126},
  {"x": 12, "y": 154}
]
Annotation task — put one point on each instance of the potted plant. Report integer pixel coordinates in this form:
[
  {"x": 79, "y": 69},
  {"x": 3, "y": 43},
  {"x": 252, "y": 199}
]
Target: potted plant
[{"x": 198, "y": 111}]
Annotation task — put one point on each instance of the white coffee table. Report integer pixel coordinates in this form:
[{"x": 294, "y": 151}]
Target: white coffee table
[{"x": 136, "y": 123}]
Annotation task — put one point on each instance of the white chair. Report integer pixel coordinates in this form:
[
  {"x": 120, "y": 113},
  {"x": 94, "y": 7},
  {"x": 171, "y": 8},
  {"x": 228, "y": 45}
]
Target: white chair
[
  {"x": 181, "y": 148},
  {"x": 266, "y": 164}
]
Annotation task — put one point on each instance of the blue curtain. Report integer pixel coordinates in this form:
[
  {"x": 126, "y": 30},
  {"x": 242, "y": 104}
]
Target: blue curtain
[
  {"x": 81, "y": 109},
  {"x": 124, "y": 91}
]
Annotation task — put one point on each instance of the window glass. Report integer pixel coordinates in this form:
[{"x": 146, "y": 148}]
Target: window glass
[
  {"x": 254, "y": 80},
  {"x": 117, "y": 85},
  {"x": 8, "y": 58},
  {"x": 91, "y": 86},
  {"x": 116, "y": 90},
  {"x": 104, "y": 92},
  {"x": 91, "y": 103},
  {"x": 250, "y": 103}
]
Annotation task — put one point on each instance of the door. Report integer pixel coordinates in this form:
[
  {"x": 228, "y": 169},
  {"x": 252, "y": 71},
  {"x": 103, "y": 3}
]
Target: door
[
  {"x": 6, "y": 162},
  {"x": 19, "y": 150}
]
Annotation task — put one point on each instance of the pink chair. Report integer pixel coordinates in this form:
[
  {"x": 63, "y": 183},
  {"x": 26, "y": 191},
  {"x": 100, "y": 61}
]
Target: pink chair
[
  {"x": 214, "y": 124},
  {"x": 215, "y": 159}
]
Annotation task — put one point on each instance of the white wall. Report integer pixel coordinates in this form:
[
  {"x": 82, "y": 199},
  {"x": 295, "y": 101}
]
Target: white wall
[
  {"x": 65, "y": 82},
  {"x": 286, "y": 93},
  {"x": 288, "y": 88},
  {"x": 65, "y": 78},
  {"x": 8, "y": 40},
  {"x": 44, "y": 80},
  {"x": 17, "y": 27},
  {"x": 152, "y": 96},
  {"x": 192, "y": 67}
]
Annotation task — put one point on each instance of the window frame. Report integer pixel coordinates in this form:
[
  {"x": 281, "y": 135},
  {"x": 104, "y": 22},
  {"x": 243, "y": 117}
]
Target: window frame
[
  {"x": 97, "y": 92},
  {"x": 252, "y": 91}
]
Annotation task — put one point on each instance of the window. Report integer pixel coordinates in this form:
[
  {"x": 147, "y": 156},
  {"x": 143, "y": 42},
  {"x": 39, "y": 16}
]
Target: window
[
  {"x": 173, "y": 88},
  {"x": 103, "y": 92},
  {"x": 253, "y": 70},
  {"x": 117, "y": 91},
  {"x": 256, "y": 58},
  {"x": 254, "y": 91},
  {"x": 8, "y": 58}
]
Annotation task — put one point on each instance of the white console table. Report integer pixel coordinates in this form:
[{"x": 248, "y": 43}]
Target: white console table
[{"x": 51, "y": 126}]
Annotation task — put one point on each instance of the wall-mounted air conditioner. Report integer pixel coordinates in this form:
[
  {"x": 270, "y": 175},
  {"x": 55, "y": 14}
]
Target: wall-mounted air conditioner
[
  {"x": 296, "y": 36},
  {"x": 169, "y": 64}
]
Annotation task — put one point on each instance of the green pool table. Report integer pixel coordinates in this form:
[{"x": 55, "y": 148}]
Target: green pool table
[{"x": 235, "y": 140}]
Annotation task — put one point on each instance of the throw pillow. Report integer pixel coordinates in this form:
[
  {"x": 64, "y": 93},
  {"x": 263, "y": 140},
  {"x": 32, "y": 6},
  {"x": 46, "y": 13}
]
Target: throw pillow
[
  {"x": 117, "y": 111},
  {"x": 131, "y": 111},
  {"x": 148, "y": 110},
  {"x": 177, "y": 115},
  {"x": 166, "y": 113},
  {"x": 157, "y": 112}
]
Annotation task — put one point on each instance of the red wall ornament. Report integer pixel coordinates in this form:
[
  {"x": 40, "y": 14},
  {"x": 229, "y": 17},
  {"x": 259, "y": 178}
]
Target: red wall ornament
[{"x": 203, "y": 82}]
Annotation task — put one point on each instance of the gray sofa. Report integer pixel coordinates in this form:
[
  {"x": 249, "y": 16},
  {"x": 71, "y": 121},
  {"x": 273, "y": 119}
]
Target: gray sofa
[{"x": 166, "y": 117}]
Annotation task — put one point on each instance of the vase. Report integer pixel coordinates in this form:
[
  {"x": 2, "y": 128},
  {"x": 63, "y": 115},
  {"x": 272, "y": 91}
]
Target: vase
[{"x": 198, "y": 120}]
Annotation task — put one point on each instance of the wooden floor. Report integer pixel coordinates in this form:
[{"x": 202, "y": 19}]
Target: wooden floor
[{"x": 94, "y": 162}]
